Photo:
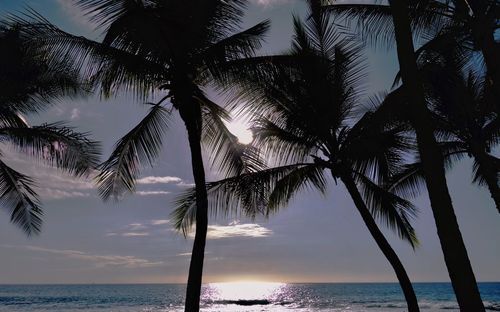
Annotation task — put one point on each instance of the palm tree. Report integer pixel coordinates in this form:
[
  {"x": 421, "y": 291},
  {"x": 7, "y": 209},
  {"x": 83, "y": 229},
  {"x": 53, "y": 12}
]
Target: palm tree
[
  {"x": 469, "y": 24},
  {"x": 465, "y": 118},
  {"x": 455, "y": 254},
  {"x": 173, "y": 48},
  {"x": 307, "y": 129},
  {"x": 30, "y": 83}
]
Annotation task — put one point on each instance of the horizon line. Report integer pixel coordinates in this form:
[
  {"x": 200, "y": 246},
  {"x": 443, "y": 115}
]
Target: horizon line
[{"x": 242, "y": 281}]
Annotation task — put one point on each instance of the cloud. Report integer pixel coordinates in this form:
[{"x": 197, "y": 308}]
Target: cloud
[
  {"x": 158, "y": 180},
  {"x": 266, "y": 3},
  {"x": 75, "y": 114},
  {"x": 184, "y": 254},
  {"x": 137, "y": 226},
  {"x": 139, "y": 229},
  {"x": 135, "y": 234},
  {"x": 160, "y": 222},
  {"x": 98, "y": 260},
  {"x": 149, "y": 193},
  {"x": 235, "y": 229},
  {"x": 48, "y": 193},
  {"x": 185, "y": 184}
]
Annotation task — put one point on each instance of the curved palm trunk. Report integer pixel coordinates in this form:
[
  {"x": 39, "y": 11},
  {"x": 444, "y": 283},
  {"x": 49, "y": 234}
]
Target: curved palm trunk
[
  {"x": 455, "y": 254},
  {"x": 193, "y": 125},
  {"x": 383, "y": 244}
]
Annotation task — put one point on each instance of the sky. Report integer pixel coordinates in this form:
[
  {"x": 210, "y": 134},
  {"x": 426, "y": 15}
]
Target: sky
[{"x": 315, "y": 239}]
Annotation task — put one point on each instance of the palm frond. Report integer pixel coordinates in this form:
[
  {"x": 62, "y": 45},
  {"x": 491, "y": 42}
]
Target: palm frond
[
  {"x": 105, "y": 12},
  {"x": 484, "y": 167},
  {"x": 56, "y": 145},
  {"x": 375, "y": 149},
  {"x": 306, "y": 177},
  {"x": 246, "y": 194},
  {"x": 17, "y": 195},
  {"x": 394, "y": 211},
  {"x": 282, "y": 143},
  {"x": 31, "y": 80},
  {"x": 409, "y": 181},
  {"x": 240, "y": 45},
  {"x": 141, "y": 146},
  {"x": 374, "y": 20},
  {"x": 227, "y": 153},
  {"x": 106, "y": 66}
]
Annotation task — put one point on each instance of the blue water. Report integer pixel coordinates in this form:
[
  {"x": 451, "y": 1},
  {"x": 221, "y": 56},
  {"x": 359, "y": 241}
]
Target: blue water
[{"x": 234, "y": 297}]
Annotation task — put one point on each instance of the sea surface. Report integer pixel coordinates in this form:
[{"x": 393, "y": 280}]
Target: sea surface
[{"x": 243, "y": 297}]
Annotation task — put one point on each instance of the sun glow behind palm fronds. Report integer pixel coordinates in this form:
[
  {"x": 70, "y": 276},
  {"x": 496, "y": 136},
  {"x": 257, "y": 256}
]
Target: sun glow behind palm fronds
[{"x": 241, "y": 129}]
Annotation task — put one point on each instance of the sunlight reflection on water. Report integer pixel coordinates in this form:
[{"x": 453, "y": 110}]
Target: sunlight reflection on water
[{"x": 245, "y": 296}]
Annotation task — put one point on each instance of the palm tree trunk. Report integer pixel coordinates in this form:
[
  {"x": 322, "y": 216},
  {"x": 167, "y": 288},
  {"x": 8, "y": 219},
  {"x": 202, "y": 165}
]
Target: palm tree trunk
[
  {"x": 193, "y": 125},
  {"x": 455, "y": 254},
  {"x": 383, "y": 244}
]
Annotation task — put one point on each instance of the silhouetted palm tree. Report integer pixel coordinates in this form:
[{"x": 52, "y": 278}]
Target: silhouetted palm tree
[
  {"x": 175, "y": 48},
  {"x": 465, "y": 118},
  {"x": 30, "y": 83},
  {"x": 469, "y": 24},
  {"x": 455, "y": 254},
  {"x": 308, "y": 128}
]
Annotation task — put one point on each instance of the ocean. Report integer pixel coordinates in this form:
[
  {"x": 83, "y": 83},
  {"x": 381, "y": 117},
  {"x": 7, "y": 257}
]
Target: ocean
[{"x": 244, "y": 297}]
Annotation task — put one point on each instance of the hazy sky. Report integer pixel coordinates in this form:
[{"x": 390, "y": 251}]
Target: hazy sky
[{"x": 315, "y": 239}]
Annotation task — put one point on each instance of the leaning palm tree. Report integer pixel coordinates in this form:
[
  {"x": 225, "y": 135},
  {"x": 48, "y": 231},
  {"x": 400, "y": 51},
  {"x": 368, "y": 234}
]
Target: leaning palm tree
[
  {"x": 309, "y": 130},
  {"x": 454, "y": 250},
  {"x": 170, "y": 48},
  {"x": 30, "y": 83}
]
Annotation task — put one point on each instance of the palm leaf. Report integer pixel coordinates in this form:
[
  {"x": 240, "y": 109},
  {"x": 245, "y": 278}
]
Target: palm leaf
[
  {"x": 394, "y": 211},
  {"x": 106, "y": 66},
  {"x": 227, "y": 154},
  {"x": 242, "y": 44},
  {"x": 246, "y": 194},
  {"x": 56, "y": 145},
  {"x": 374, "y": 20},
  {"x": 17, "y": 195},
  {"x": 141, "y": 146}
]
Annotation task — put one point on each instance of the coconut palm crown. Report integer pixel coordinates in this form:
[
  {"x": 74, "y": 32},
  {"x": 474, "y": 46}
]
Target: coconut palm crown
[{"x": 31, "y": 83}]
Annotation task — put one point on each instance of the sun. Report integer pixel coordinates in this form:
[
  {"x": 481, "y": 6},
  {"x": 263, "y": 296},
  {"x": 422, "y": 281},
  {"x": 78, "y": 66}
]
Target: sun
[{"x": 241, "y": 129}]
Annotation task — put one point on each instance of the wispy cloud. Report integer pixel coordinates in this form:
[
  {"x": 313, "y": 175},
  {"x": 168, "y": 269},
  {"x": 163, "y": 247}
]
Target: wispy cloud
[
  {"x": 137, "y": 226},
  {"x": 184, "y": 254},
  {"x": 160, "y": 222},
  {"x": 139, "y": 229},
  {"x": 235, "y": 229},
  {"x": 185, "y": 184},
  {"x": 150, "y": 193},
  {"x": 48, "y": 193},
  {"x": 270, "y": 2},
  {"x": 135, "y": 234},
  {"x": 158, "y": 180},
  {"x": 98, "y": 260}
]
